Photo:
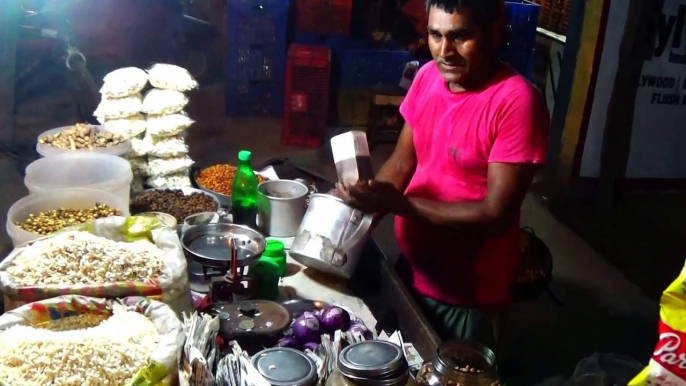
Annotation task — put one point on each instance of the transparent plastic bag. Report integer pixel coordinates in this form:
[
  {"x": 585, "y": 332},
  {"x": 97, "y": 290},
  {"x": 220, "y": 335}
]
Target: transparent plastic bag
[
  {"x": 124, "y": 82},
  {"x": 118, "y": 108},
  {"x": 604, "y": 370},
  {"x": 130, "y": 127},
  {"x": 171, "y": 77},
  {"x": 168, "y": 125},
  {"x": 158, "y": 101}
]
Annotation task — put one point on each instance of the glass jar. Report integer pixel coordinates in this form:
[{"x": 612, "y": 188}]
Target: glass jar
[{"x": 460, "y": 363}]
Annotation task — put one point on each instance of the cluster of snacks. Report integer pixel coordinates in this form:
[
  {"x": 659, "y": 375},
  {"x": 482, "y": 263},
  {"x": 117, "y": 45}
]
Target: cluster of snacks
[
  {"x": 82, "y": 258},
  {"x": 174, "y": 202},
  {"x": 84, "y": 350},
  {"x": 51, "y": 221},
  {"x": 81, "y": 136},
  {"x": 219, "y": 178}
]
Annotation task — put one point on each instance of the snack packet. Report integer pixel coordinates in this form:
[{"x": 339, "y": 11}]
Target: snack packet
[{"x": 667, "y": 367}]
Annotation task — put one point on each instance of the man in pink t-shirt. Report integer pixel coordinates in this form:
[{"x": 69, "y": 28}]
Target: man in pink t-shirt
[{"x": 475, "y": 134}]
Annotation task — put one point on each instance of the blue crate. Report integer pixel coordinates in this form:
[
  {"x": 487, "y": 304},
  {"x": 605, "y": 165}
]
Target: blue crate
[
  {"x": 253, "y": 99},
  {"x": 356, "y": 66},
  {"x": 257, "y": 22},
  {"x": 255, "y": 62},
  {"x": 520, "y": 36}
]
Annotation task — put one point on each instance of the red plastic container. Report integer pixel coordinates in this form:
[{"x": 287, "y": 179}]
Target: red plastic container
[
  {"x": 306, "y": 100},
  {"x": 323, "y": 17}
]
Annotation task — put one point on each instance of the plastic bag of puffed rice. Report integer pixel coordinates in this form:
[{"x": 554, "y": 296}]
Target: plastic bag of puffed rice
[
  {"x": 171, "y": 77},
  {"x": 118, "y": 108},
  {"x": 668, "y": 364},
  {"x": 166, "y": 166},
  {"x": 124, "y": 82},
  {"x": 130, "y": 127},
  {"x": 137, "y": 185},
  {"x": 158, "y": 101},
  {"x": 168, "y": 125},
  {"x": 170, "y": 181},
  {"x": 163, "y": 366},
  {"x": 139, "y": 167},
  {"x": 171, "y": 287},
  {"x": 168, "y": 147},
  {"x": 140, "y": 147}
]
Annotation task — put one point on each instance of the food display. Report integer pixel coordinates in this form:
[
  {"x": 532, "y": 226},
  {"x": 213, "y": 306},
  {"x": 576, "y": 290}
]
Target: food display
[
  {"x": 82, "y": 258},
  {"x": 112, "y": 352},
  {"x": 51, "y": 221},
  {"x": 81, "y": 136},
  {"x": 174, "y": 202},
  {"x": 171, "y": 77},
  {"x": 219, "y": 178}
]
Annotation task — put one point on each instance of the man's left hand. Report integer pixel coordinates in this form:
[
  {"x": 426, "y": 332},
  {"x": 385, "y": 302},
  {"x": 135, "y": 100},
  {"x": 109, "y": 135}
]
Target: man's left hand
[{"x": 371, "y": 196}]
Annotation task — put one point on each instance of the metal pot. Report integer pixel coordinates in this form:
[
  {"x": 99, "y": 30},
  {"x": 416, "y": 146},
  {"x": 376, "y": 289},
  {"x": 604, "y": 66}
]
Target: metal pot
[
  {"x": 281, "y": 207},
  {"x": 331, "y": 236}
]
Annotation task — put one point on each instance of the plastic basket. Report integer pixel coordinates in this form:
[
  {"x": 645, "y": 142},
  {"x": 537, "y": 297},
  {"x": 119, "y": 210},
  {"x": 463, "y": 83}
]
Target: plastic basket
[
  {"x": 520, "y": 36},
  {"x": 257, "y": 22},
  {"x": 323, "y": 17},
  {"x": 308, "y": 69},
  {"x": 366, "y": 68},
  {"x": 253, "y": 99}
]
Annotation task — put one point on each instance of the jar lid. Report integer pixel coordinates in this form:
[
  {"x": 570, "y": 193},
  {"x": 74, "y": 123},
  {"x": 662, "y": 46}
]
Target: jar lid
[
  {"x": 372, "y": 359},
  {"x": 274, "y": 248},
  {"x": 282, "y": 366}
]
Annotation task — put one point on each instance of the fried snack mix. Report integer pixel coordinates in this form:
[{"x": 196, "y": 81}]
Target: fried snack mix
[{"x": 667, "y": 367}]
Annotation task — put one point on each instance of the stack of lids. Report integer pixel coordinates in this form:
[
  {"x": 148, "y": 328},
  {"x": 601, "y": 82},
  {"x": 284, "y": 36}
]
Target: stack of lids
[{"x": 374, "y": 362}]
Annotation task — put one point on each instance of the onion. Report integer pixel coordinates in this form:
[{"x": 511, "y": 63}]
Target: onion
[
  {"x": 287, "y": 341},
  {"x": 335, "y": 318},
  {"x": 310, "y": 346},
  {"x": 361, "y": 329},
  {"x": 306, "y": 328}
]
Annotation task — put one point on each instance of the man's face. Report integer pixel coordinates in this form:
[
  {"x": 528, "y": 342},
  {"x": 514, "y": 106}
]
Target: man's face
[{"x": 460, "y": 47}]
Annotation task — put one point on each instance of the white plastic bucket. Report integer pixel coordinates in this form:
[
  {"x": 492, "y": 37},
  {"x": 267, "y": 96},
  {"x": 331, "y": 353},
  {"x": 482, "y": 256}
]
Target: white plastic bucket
[
  {"x": 60, "y": 198},
  {"x": 48, "y": 151},
  {"x": 80, "y": 170}
]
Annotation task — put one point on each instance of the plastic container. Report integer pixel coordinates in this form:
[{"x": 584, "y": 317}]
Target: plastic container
[
  {"x": 306, "y": 101},
  {"x": 55, "y": 199},
  {"x": 520, "y": 36},
  {"x": 47, "y": 151},
  {"x": 80, "y": 170}
]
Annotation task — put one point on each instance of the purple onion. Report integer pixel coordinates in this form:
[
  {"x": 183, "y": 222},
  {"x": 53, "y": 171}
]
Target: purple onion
[
  {"x": 310, "y": 346},
  {"x": 361, "y": 329},
  {"x": 335, "y": 318},
  {"x": 287, "y": 341},
  {"x": 306, "y": 328}
]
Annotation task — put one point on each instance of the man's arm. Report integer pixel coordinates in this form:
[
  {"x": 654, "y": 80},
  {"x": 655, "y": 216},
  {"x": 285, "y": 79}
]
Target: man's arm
[
  {"x": 507, "y": 186},
  {"x": 400, "y": 167}
]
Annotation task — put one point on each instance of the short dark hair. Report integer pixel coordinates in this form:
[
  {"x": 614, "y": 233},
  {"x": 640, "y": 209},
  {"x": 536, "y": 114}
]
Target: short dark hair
[{"x": 486, "y": 12}]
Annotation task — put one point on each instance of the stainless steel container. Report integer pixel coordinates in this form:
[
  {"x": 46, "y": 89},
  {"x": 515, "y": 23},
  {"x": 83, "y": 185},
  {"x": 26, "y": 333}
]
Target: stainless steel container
[
  {"x": 374, "y": 362},
  {"x": 460, "y": 362},
  {"x": 331, "y": 236},
  {"x": 285, "y": 367},
  {"x": 281, "y": 206}
]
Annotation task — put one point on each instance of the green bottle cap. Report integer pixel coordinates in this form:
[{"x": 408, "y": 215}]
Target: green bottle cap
[
  {"x": 274, "y": 248},
  {"x": 244, "y": 155}
]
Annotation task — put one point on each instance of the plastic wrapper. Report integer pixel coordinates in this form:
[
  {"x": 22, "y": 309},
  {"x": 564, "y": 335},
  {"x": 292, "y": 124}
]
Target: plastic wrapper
[
  {"x": 124, "y": 82},
  {"x": 171, "y": 181},
  {"x": 130, "y": 127},
  {"x": 351, "y": 156},
  {"x": 119, "y": 108},
  {"x": 158, "y": 101},
  {"x": 171, "y": 287},
  {"x": 667, "y": 367},
  {"x": 140, "y": 147},
  {"x": 168, "y": 125},
  {"x": 163, "y": 366},
  {"x": 168, "y": 147},
  {"x": 166, "y": 166},
  {"x": 171, "y": 77},
  {"x": 139, "y": 167}
]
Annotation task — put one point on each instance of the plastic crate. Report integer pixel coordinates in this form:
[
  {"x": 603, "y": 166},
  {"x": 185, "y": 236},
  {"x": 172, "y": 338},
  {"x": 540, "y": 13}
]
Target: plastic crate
[
  {"x": 353, "y": 107},
  {"x": 369, "y": 68},
  {"x": 257, "y": 22},
  {"x": 306, "y": 100},
  {"x": 323, "y": 17},
  {"x": 520, "y": 36},
  {"x": 253, "y": 99},
  {"x": 256, "y": 62}
]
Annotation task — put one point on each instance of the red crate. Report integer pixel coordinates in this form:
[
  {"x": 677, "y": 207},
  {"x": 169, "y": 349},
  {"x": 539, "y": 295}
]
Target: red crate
[
  {"x": 306, "y": 101},
  {"x": 323, "y": 17}
]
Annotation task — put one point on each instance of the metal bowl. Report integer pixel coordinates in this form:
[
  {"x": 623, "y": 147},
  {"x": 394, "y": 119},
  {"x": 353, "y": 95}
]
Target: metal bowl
[
  {"x": 209, "y": 244},
  {"x": 186, "y": 191},
  {"x": 223, "y": 199}
]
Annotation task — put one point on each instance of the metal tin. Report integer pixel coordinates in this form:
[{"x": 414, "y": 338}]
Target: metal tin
[
  {"x": 374, "y": 360},
  {"x": 209, "y": 244},
  {"x": 281, "y": 206},
  {"x": 285, "y": 367}
]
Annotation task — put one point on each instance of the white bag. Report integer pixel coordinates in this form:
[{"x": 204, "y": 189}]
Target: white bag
[
  {"x": 171, "y": 77},
  {"x": 166, "y": 166},
  {"x": 168, "y": 147},
  {"x": 124, "y": 82},
  {"x": 168, "y": 125},
  {"x": 140, "y": 147},
  {"x": 170, "y": 181},
  {"x": 118, "y": 108},
  {"x": 128, "y": 128},
  {"x": 139, "y": 167},
  {"x": 158, "y": 101}
]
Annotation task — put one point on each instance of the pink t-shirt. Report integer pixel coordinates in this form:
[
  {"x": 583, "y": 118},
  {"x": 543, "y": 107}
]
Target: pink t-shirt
[{"x": 456, "y": 136}]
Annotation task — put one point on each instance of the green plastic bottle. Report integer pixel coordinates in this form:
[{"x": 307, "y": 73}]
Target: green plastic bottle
[
  {"x": 276, "y": 252},
  {"x": 244, "y": 192}
]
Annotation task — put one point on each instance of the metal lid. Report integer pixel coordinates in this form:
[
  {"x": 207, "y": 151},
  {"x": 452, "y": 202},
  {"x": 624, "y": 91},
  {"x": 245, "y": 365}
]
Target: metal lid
[
  {"x": 372, "y": 359},
  {"x": 250, "y": 318},
  {"x": 285, "y": 367}
]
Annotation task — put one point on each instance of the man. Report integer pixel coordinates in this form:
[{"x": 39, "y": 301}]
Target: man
[{"x": 474, "y": 137}]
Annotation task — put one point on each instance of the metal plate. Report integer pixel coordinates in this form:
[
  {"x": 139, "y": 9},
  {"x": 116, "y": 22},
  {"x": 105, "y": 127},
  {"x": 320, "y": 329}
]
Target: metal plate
[
  {"x": 285, "y": 367},
  {"x": 209, "y": 244}
]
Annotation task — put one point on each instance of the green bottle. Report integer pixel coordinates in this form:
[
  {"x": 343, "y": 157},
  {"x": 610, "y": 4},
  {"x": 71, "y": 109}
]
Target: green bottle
[{"x": 244, "y": 192}]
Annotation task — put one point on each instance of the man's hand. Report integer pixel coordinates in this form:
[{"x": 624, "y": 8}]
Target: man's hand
[{"x": 371, "y": 196}]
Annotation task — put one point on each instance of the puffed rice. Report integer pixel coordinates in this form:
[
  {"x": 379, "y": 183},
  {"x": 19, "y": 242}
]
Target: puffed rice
[
  {"x": 171, "y": 77},
  {"x": 118, "y": 108},
  {"x": 168, "y": 147},
  {"x": 82, "y": 258},
  {"x": 170, "y": 181},
  {"x": 124, "y": 82},
  {"x": 165, "y": 166},
  {"x": 111, "y": 353},
  {"x": 139, "y": 167},
  {"x": 130, "y": 127},
  {"x": 158, "y": 101},
  {"x": 168, "y": 125}
]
